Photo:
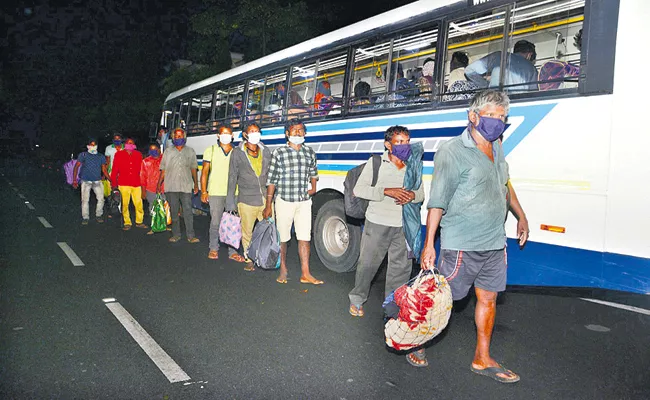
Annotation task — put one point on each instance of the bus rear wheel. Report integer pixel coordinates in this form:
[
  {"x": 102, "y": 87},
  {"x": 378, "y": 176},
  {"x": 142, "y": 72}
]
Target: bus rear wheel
[{"x": 337, "y": 243}]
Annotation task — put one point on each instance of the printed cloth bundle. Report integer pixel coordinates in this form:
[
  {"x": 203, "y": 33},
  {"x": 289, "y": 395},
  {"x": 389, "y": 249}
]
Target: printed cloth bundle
[{"x": 419, "y": 310}]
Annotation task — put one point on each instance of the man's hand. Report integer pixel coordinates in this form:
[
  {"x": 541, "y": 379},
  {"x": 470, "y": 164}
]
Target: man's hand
[
  {"x": 428, "y": 257},
  {"x": 522, "y": 230},
  {"x": 196, "y": 189},
  {"x": 158, "y": 190},
  {"x": 400, "y": 195},
  {"x": 311, "y": 192},
  {"x": 144, "y": 195},
  {"x": 267, "y": 211},
  {"x": 204, "y": 197},
  {"x": 75, "y": 184},
  {"x": 411, "y": 197}
]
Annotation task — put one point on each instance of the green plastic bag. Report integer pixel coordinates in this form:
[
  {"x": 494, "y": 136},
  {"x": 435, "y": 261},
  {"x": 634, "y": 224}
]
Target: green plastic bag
[{"x": 158, "y": 215}]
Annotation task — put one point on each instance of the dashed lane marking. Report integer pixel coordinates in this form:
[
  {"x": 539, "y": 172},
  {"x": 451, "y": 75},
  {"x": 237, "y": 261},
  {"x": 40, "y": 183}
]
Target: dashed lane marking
[
  {"x": 22, "y": 196},
  {"x": 74, "y": 258},
  {"x": 44, "y": 222},
  {"x": 163, "y": 361},
  {"x": 29, "y": 205},
  {"x": 621, "y": 306}
]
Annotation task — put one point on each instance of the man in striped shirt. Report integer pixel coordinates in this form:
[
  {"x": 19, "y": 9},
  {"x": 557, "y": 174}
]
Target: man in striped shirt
[{"x": 292, "y": 177}]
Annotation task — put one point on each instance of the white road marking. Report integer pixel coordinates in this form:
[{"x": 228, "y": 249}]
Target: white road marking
[
  {"x": 29, "y": 205},
  {"x": 44, "y": 222},
  {"x": 621, "y": 306},
  {"x": 163, "y": 361},
  {"x": 74, "y": 258},
  {"x": 15, "y": 189},
  {"x": 22, "y": 196}
]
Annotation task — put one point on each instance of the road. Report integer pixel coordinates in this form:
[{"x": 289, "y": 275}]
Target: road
[{"x": 240, "y": 335}]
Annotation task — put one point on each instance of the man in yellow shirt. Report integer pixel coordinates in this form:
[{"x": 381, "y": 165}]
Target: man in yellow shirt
[{"x": 214, "y": 187}]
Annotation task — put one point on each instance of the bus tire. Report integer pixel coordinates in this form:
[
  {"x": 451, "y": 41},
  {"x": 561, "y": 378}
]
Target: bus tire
[{"x": 336, "y": 241}]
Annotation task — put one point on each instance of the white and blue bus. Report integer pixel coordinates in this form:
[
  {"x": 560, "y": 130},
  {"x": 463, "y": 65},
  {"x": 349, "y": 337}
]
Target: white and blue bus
[{"x": 576, "y": 140}]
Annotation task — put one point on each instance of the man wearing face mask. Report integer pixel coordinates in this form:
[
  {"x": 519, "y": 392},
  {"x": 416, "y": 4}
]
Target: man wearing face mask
[
  {"x": 292, "y": 177},
  {"x": 125, "y": 176},
  {"x": 117, "y": 145},
  {"x": 214, "y": 187},
  {"x": 93, "y": 167},
  {"x": 178, "y": 172},
  {"x": 383, "y": 230},
  {"x": 249, "y": 169},
  {"x": 149, "y": 176},
  {"x": 469, "y": 200}
]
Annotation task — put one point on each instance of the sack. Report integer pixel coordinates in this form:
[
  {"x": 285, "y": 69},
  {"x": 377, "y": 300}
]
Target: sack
[
  {"x": 168, "y": 213},
  {"x": 230, "y": 229},
  {"x": 68, "y": 167},
  {"x": 264, "y": 249},
  {"x": 114, "y": 202},
  {"x": 424, "y": 306},
  {"x": 107, "y": 187},
  {"x": 158, "y": 215},
  {"x": 356, "y": 207}
]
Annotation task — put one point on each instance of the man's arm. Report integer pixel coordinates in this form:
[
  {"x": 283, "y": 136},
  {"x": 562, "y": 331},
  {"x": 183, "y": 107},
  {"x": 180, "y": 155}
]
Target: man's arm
[
  {"x": 364, "y": 189},
  {"x": 196, "y": 181},
  {"x": 428, "y": 258},
  {"x": 75, "y": 171},
  {"x": 105, "y": 172},
  {"x": 476, "y": 71},
  {"x": 522, "y": 222},
  {"x": 115, "y": 171},
  {"x": 233, "y": 176},
  {"x": 205, "y": 171},
  {"x": 272, "y": 181},
  {"x": 160, "y": 181}
]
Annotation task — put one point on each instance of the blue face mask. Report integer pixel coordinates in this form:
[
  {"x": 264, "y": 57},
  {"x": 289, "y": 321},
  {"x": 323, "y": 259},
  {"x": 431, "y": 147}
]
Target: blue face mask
[
  {"x": 402, "y": 151},
  {"x": 154, "y": 153},
  {"x": 117, "y": 143},
  {"x": 179, "y": 142},
  {"x": 490, "y": 128}
]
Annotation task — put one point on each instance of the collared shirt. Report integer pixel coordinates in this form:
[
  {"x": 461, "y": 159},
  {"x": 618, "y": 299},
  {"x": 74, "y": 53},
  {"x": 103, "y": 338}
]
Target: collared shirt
[
  {"x": 126, "y": 168},
  {"x": 178, "y": 166},
  {"x": 471, "y": 190},
  {"x": 382, "y": 209},
  {"x": 91, "y": 166},
  {"x": 291, "y": 172},
  {"x": 150, "y": 173}
]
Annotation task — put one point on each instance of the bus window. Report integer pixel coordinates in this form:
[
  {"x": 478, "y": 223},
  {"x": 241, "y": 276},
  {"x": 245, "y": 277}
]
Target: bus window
[
  {"x": 410, "y": 82},
  {"x": 329, "y": 85},
  {"x": 205, "y": 111},
  {"x": 183, "y": 114},
  {"x": 255, "y": 100},
  {"x": 473, "y": 56},
  {"x": 369, "y": 82},
  {"x": 301, "y": 90},
  {"x": 553, "y": 28},
  {"x": 272, "y": 97}
]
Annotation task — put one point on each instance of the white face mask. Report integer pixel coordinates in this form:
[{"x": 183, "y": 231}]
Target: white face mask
[
  {"x": 297, "y": 139},
  {"x": 254, "y": 137},
  {"x": 225, "y": 138},
  {"x": 92, "y": 149}
]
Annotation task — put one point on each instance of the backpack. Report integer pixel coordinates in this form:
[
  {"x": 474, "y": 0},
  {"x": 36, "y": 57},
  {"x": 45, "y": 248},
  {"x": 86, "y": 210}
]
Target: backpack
[
  {"x": 264, "y": 249},
  {"x": 114, "y": 202},
  {"x": 356, "y": 207}
]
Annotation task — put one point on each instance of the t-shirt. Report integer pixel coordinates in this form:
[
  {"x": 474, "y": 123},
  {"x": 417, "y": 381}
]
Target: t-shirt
[
  {"x": 110, "y": 152},
  {"x": 219, "y": 168},
  {"x": 91, "y": 166},
  {"x": 178, "y": 166},
  {"x": 256, "y": 162}
]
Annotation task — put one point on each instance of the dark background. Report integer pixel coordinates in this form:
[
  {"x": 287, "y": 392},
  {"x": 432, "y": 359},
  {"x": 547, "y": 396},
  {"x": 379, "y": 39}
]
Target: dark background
[{"x": 71, "y": 70}]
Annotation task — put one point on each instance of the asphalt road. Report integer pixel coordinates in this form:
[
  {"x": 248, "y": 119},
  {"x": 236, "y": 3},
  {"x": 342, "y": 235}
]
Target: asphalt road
[{"x": 241, "y": 335}]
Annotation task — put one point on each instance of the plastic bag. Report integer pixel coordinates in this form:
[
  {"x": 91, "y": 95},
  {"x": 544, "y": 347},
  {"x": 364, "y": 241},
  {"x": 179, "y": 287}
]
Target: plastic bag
[
  {"x": 230, "y": 229},
  {"x": 158, "y": 215},
  {"x": 168, "y": 213},
  {"x": 107, "y": 187}
]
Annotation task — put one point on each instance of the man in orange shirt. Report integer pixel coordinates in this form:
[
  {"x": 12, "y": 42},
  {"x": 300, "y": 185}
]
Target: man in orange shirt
[{"x": 149, "y": 175}]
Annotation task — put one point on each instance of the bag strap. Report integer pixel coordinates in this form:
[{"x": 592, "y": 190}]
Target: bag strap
[{"x": 376, "y": 163}]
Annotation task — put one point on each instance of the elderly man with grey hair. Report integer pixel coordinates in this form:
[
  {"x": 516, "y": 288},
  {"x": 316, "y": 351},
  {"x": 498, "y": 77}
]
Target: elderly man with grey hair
[{"x": 469, "y": 200}]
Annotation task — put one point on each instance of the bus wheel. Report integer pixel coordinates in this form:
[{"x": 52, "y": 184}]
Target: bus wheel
[{"x": 337, "y": 243}]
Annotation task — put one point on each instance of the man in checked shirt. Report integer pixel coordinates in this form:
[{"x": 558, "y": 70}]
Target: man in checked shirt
[{"x": 292, "y": 180}]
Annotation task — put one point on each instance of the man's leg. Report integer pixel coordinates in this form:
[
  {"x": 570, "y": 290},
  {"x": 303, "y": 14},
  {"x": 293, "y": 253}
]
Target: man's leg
[
  {"x": 302, "y": 224},
  {"x": 174, "y": 200},
  {"x": 188, "y": 217},
  {"x": 136, "y": 195},
  {"x": 374, "y": 244},
  {"x": 151, "y": 198},
  {"x": 284, "y": 213},
  {"x": 248, "y": 215},
  {"x": 85, "y": 200},
  {"x": 399, "y": 265},
  {"x": 125, "y": 191},
  {"x": 217, "y": 205},
  {"x": 98, "y": 188}
]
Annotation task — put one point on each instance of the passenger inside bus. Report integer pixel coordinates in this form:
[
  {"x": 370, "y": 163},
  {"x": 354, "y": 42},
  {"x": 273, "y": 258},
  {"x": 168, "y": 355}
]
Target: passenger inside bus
[
  {"x": 361, "y": 100},
  {"x": 557, "y": 71},
  {"x": 457, "y": 83},
  {"x": 520, "y": 74},
  {"x": 323, "y": 100},
  {"x": 425, "y": 82}
]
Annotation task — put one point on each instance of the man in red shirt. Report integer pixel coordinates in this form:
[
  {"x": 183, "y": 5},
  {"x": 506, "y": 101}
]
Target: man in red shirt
[
  {"x": 149, "y": 175},
  {"x": 125, "y": 175}
]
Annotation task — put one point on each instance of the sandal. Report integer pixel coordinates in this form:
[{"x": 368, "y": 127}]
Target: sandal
[
  {"x": 281, "y": 280},
  {"x": 417, "y": 358},
  {"x": 313, "y": 281},
  {"x": 213, "y": 255},
  {"x": 126, "y": 228},
  {"x": 356, "y": 311},
  {"x": 493, "y": 372},
  {"x": 141, "y": 226},
  {"x": 174, "y": 239},
  {"x": 150, "y": 233},
  {"x": 237, "y": 257},
  {"x": 249, "y": 266},
  {"x": 193, "y": 240}
]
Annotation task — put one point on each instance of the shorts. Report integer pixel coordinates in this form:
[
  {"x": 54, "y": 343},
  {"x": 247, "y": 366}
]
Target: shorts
[
  {"x": 485, "y": 270},
  {"x": 297, "y": 214}
]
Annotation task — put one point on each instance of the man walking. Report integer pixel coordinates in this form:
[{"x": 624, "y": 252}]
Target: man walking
[
  {"x": 93, "y": 167},
  {"x": 216, "y": 163},
  {"x": 293, "y": 175},
  {"x": 178, "y": 172},
  {"x": 149, "y": 176},
  {"x": 125, "y": 176},
  {"x": 249, "y": 169},
  {"x": 469, "y": 200}
]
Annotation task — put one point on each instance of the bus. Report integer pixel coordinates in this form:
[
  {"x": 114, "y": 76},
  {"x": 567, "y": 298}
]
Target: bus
[{"x": 575, "y": 139}]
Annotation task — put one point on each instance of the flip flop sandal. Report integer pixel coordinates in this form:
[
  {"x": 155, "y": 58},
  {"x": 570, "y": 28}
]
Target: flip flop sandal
[
  {"x": 421, "y": 356},
  {"x": 141, "y": 226},
  {"x": 278, "y": 280},
  {"x": 213, "y": 255},
  {"x": 174, "y": 239},
  {"x": 314, "y": 282},
  {"x": 249, "y": 266},
  {"x": 492, "y": 372},
  {"x": 237, "y": 257},
  {"x": 193, "y": 240},
  {"x": 356, "y": 311},
  {"x": 126, "y": 228}
]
